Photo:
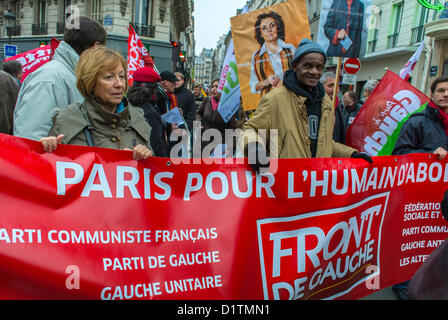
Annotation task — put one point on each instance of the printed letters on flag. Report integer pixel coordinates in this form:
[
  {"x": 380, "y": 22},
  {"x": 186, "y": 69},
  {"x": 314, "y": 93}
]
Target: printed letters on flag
[
  {"x": 138, "y": 55},
  {"x": 33, "y": 59},
  {"x": 376, "y": 127},
  {"x": 315, "y": 229}
]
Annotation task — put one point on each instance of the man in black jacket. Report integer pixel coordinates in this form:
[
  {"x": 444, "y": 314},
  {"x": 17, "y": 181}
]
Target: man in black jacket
[
  {"x": 427, "y": 131},
  {"x": 185, "y": 100},
  {"x": 345, "y": 114}
]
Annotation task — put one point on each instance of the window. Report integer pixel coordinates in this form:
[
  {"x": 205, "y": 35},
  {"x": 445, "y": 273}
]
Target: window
[
  {"x": 394, "y": 31},
  {"x": 141, "y": 11},
  {"x": 41, "y": 12},
  {"x": 40, "y": 25},
  {"x": 143, "y": 18},
  {"x": 374, "y": 27},
  {"x": 418, "y": 32},
  {"x": 67, "y": 4},
  {"x": 96, "y": 10}
]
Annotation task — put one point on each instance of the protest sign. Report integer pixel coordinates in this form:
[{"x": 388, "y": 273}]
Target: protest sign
[
  {"x": 265, "y": 41},
  {"x": 90, "y": 223},
  {"x": 377, "y": 125},
  {"x": 343, "y": 27},
  {"x": 229, "y": 84}
]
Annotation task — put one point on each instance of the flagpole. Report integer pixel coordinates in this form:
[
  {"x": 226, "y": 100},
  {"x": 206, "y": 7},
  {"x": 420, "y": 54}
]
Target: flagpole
[{"x": 336, "y": 80}]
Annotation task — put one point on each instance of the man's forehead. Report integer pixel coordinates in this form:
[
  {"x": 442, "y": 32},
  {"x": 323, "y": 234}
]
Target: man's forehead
[
  {"x": 313, "y": 57},
  {"x": 443, "y": 84}
]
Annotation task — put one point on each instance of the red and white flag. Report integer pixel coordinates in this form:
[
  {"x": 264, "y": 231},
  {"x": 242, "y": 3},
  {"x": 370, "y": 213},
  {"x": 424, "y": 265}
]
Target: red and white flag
[
  {"x": 406, "y": 72},
  {"x": 138, "y": 56},
  {"x": 33, "y": 59}
]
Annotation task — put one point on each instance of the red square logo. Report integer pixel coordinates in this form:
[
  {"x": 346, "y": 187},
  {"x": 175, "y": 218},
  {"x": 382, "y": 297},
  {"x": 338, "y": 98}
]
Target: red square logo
[{"x": 323, "y": 254}]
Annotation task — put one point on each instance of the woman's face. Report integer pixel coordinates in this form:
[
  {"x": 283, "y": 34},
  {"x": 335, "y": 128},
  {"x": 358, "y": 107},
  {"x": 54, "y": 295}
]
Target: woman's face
[
  {"x": 268, "y": 29},
  {"x": 214, "y": 90},
  {"x": 110, "y": 86}
]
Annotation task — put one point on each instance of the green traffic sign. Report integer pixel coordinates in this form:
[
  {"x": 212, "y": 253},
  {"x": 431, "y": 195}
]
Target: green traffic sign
[{"x": 439, "y": 7}]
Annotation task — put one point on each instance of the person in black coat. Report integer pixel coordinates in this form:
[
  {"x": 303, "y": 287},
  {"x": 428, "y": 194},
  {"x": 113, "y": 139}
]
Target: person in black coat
[
  {"x": 345, "y": 19},
  {"x": 143, "y": 94},
  {"x": 345, "y": 114},
  {"x": 427, "y": 131},
  {"x": 185, "y": 100}
]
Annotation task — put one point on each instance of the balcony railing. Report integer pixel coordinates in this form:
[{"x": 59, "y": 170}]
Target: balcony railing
[
  {"x": 417, "y": 35},
  {"x": 13, "y": 30},
  {"x": 37, "y": 29},
  {"x": 144, "y": 30},
  {"x": 392, "y": 40},
  {"x": 60, "y": 27}
]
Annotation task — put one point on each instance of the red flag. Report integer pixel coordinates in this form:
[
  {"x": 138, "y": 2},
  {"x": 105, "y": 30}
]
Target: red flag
[
  {"x": 54, "y": 44},
  {"x": 377, "y": 125},
  {"x": 138, "y": 56},
  {"x": 33, "y": 59}
]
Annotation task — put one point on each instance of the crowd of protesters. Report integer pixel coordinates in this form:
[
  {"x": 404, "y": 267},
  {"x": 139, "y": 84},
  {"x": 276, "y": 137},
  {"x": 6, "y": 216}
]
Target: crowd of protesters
[{"x": 81, "y": 97}]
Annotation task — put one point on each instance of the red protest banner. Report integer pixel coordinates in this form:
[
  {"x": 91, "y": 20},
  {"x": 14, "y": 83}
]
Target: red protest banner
[
  {"x": 377, "y": 125},
  {"x": 33, "y": 59},
  {"x": 89, "y": 223}
]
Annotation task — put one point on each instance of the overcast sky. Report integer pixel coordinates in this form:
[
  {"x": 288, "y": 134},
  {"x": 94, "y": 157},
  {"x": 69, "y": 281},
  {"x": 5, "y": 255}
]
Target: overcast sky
[{"x": 212, "y": 20}]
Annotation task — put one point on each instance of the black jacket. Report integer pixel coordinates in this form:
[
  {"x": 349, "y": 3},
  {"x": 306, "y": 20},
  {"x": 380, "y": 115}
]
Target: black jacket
[
  {"x": 343, "y": 119},
  {"x": 186, "y": 102},
  {"x": 158, "y": 137},
  {"x": 423, "y": 132}
]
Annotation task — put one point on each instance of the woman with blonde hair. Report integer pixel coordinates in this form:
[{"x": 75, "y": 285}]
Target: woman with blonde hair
[{"x": 105, "y": 118}]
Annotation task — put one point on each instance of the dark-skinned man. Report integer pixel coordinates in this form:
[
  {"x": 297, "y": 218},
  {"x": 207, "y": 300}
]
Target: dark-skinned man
[{"x": 301, "y": 113}]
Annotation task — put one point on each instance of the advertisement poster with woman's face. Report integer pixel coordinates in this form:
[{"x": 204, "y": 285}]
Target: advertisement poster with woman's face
[
  {"x": 344, "y": 26},
  {"x": 265, "y": 41}
]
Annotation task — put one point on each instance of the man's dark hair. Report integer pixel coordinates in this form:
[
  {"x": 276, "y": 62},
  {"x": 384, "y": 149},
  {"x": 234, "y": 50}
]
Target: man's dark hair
[
  {"x": 13, "y": 67},
  {"x": 436, "y": 82},
  {"x": 84, "y": 37},
  {"x": 352, "y": 95},
  {"x": 278, "y": 20}
]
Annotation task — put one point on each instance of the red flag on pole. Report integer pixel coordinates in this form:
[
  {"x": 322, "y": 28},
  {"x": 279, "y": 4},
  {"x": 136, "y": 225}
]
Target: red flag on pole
[
  {"x": 138, "y": 56},
  {"x": 377, "y": 125}
]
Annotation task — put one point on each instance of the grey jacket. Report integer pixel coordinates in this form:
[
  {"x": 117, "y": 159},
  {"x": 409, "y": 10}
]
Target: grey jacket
[
  {"x": 9, "y": 90},
  {"x": 51, "y": 86}
]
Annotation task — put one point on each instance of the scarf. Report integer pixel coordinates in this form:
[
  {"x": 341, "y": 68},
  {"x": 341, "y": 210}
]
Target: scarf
[
  {"x": 442, "y": 115},
  {"x": 214, "y": 103},
  {"x": 173, "y": 100}
]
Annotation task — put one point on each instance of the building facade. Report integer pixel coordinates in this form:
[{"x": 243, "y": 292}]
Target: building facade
[
  {"x": 396, "y": 29},
  {"x": 203, "y": 68},
  {"x": 159, "y": 23}
]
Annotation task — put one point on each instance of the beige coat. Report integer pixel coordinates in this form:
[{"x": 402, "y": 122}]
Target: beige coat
[
  {"x": 115, "y": 131},
  {"x": 285, "y": 111}
]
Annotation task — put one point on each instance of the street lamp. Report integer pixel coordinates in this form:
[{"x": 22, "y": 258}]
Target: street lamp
[{"x": 9, "y": 18}]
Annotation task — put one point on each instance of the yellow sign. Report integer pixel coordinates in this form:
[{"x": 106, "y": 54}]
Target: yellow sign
[{"x": 265, "y": 41}]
